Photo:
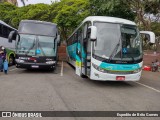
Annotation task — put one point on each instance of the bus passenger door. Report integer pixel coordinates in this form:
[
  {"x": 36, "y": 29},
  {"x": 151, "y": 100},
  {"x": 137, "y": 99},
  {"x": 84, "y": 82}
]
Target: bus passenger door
[
  {"x": 86, "y": 50},
  {"x": 86, "y": 57},
  {"x": 78, "y": 63}
]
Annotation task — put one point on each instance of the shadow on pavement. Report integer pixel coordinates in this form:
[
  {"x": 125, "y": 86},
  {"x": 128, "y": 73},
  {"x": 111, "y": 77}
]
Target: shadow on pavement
[{"x": 117, "y": 84}]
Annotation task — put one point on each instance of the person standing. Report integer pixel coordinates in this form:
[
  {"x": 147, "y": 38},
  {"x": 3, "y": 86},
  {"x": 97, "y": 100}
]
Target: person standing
[
  {"x": 2, "y": 58},
  {"x": 153, "y": 67},
  {"x": 4, "y": 53},
  {"x": 1, "y": 63},
  {"x": 5, "y": 67}
]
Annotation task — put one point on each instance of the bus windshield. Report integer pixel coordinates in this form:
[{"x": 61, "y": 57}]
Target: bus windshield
[
  {"x": 33, "y": 45},
  {"x": 108, "y": 36},
  {"x": 46, "y": 45},
  {"x": 131, "y": 42},
  {"x": 117, "y": 42}
]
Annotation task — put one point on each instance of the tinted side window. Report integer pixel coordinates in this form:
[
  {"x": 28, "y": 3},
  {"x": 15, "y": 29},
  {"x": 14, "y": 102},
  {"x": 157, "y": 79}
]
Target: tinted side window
[
  {"x": 1, "y": 30},
  {"x": 85, "y": 30},
  {"x": 75, "y": 37},
  {"x": 5, "y": 32},
  {"x": 80, "y": 34}
]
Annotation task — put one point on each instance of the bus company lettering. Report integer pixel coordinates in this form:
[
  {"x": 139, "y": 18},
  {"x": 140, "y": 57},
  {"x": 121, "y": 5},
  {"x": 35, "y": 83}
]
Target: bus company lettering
[
  {"x": 48, "y": 59},
  {"x": 121, "y": 61},
  {"x": 23, "y": 58}
]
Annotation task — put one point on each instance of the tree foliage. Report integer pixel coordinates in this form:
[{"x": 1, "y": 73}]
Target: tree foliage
[
  {"x": 155, "y": 26},
  {"x": 30, "y": 12},
  {"x": 66, "y": 13},
  {"x": 114, "y": 8},
  {"x": 5, "y": 8},
  {"x": 145, "y": 10},
  {"x": 69, "y": 13}
]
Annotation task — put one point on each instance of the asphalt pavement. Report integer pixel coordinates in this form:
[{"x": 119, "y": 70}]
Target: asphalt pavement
[{"x": 63, "y": 90}]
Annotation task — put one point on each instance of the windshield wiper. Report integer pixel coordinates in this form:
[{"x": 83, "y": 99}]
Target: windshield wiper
[
  {"x": 41, "y": 49},
  {"x": 131, "y": 57},
  {"x": 115, "y": 50},
  {"x": 33, "y": 44}
]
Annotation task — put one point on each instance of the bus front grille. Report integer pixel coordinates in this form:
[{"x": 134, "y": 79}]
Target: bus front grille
[{"x": 119, "y": 72}]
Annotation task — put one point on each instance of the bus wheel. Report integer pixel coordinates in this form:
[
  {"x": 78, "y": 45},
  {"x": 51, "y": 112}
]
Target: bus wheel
[
  {"x": 53, "y": 70},
  {"x": 82, "y": 75},
  {"x": 11, "y": 60}
]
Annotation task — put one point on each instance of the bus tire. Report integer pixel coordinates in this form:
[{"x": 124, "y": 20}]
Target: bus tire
[
  {"x": 53, "y": 70},
  {"x": 11, "y": 60},
  {"x": 82, "y": 75}
]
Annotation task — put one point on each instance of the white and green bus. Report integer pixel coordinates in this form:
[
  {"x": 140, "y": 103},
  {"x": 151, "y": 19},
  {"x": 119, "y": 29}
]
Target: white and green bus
[
  {"x": 5, "y": 29},
  {"x": 107, "y": 48}
]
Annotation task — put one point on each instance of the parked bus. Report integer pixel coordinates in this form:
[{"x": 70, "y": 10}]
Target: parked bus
[
  {"x": 5, "y": 29},
  {"x": 36, "y": 44},
  {"x": 106, "y": 48}
]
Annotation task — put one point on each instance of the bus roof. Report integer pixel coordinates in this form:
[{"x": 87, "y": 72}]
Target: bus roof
[
  {"x": 5, "y": 24},
  {"x": 38, "y": 22},
  {"x": 38, "y": 28},
  {"x": 109, "y": 19},
  {"x": 105, "y": 19}
]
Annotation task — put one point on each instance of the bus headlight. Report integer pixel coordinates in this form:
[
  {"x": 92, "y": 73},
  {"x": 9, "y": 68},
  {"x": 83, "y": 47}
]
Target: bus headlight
[
  {"x": 97, "y": 67},
  {"x": 137, "y": 70},
  {"x": 19, "y": 61},
  {"x": 50, "y": 62}
]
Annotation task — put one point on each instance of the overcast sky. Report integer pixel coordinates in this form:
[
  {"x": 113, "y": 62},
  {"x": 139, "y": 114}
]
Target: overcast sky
[{"x": 34, "y": 2}]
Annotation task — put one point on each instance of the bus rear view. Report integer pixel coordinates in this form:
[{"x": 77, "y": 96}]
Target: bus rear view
[{"x": 36, "y": 45}]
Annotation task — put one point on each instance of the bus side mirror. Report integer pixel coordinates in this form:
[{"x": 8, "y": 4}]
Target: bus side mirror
[
  {"x": 151, "y": 36},
  {"x": 12, "y": 36},
  {"x": 58, "y": 40},
  {"x": 93, "y": 35}
]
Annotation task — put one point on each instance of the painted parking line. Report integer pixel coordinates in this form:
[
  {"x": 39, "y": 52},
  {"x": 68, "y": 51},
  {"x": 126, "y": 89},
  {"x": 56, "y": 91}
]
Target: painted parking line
[
  {"x": 148, "y": 87},
  {"x": 61, "y": 69}
]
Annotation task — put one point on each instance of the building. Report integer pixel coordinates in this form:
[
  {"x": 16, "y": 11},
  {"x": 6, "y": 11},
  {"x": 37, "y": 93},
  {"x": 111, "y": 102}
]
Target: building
[{"x": 14, "y": 2}]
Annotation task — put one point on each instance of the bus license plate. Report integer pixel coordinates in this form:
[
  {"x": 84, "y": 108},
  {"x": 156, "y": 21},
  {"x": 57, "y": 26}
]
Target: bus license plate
[
  {"x": 35, "y": 66},
  {"x": 120, "y": 78}
]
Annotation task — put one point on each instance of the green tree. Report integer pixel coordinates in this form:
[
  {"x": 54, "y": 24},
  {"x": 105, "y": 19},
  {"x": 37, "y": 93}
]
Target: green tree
[
  {"x": 114, "y": 8},
  {"x": 155, "y": 26},
  {"x": 143, "y": 10},
  {"x": 69, "y": 14},
  {"x": 30, "y": 12},
  {"x": 5, "y": 8},
  {"x": 147, "y": 14}
]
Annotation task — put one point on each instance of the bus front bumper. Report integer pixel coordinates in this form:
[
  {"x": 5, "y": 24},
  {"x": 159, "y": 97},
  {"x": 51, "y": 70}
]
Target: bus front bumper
[
  {"x": 35, "y": 66},
  {"x": 96, "y": 75}
]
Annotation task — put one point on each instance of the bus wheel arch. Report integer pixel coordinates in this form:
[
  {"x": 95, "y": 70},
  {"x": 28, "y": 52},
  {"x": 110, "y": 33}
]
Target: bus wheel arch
[{"x": 11, "y": 59}]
